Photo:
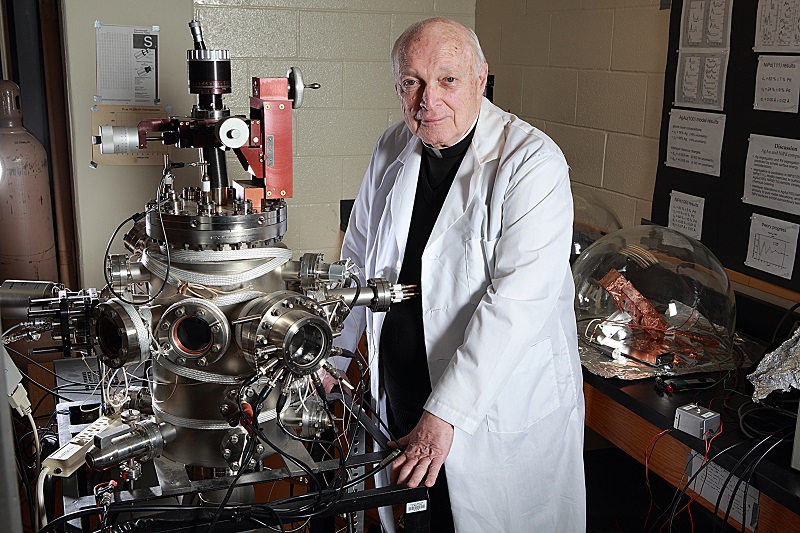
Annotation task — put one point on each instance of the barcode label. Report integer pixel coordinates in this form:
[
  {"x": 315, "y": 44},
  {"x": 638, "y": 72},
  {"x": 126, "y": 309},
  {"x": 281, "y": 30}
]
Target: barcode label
[{"x": 416, "y": 507}]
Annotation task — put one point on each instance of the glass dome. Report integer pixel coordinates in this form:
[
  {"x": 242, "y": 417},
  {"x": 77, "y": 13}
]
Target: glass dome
[
  {"x": 592, "y": 220},
  {"x": 654, "y": 296}
]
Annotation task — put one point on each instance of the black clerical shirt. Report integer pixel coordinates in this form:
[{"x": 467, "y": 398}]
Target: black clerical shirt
[{"x": 403, "y": 361}]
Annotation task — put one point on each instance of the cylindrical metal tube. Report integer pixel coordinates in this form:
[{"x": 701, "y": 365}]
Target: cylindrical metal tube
[
  {"x": 14, "y": 296},
  {"x": 145, "y": 439},
  {"x": 354, "y": 296},
  {"x": 215, "y": 166}
]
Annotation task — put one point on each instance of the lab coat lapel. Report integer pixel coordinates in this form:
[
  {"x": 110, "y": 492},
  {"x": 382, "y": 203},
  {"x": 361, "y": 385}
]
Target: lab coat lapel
[
  {"x": 461, "y": 191},
  {"x": 485, "y": 146},
  {"x": 403, "y": 192}
]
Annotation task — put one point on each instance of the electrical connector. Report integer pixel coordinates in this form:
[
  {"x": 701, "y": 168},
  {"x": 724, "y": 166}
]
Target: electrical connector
[{"x": 19, "y": 400}]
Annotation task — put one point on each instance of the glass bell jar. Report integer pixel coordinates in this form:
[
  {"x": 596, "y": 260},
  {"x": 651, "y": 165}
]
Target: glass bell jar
[
  {"x": 592, "y": 220},
  {"x": 655, "y": 296}
]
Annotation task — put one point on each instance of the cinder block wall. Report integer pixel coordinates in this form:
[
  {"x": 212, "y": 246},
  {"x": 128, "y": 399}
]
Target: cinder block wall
[
  {"x": 344, "y": 45},
  {"x": 590, "y": 73}
]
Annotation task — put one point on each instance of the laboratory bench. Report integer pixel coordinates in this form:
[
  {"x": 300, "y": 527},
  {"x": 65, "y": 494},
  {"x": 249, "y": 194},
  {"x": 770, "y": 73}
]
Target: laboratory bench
[{"x": 630, "y": 414}]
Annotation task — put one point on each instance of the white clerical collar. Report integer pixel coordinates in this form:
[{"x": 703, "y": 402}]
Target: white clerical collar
[{"x": 438, "y": 151}]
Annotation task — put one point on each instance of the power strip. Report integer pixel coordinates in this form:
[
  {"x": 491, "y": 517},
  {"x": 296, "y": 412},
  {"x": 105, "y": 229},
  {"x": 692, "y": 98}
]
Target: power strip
[{"x": 71, "y": 456}]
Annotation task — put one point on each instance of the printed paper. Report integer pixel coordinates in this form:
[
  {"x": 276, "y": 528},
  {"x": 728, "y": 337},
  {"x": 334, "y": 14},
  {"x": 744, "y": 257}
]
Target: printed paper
[
  {"x": 686, "y": 213},
  {"x": 694, "y": 141},
  {"x": 772, "y": 173},
  {"x": 772, "y": 245}
]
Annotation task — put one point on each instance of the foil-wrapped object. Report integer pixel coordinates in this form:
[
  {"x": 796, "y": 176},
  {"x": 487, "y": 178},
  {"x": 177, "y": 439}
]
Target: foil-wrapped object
[
  {"x": 609, "y": 365},
  {"x": 779, "y": 370}
]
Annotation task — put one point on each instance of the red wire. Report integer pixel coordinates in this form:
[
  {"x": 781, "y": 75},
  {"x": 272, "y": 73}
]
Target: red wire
[
  {"x": 697, "y": 493},
  {"x": 647, "y": 453}
]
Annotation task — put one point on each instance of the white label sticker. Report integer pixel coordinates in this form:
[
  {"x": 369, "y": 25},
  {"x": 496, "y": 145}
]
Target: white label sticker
[{"x": 416, "y": 507}]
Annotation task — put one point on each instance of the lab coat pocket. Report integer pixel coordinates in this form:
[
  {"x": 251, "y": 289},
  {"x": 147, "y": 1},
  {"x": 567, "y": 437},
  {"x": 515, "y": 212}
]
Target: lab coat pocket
[
  {"x": 479, "y": 261},
  {"x": 530, "y": 394}
]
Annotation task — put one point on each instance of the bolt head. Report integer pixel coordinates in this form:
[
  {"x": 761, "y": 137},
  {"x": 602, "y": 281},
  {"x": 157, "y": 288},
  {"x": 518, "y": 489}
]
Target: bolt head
[
  {"x": 215, "y": 328},
  {"x": 165, "y": 325},
  {"x": 224, "y": 409},
  {"x": 226, "y": 453},
  {"x": 235, "y": 466},
  {"x": 181, "y": 360},
  {"x": 260, "y": 448},
  {"x": 202, "y": 362},
  {"x": 234, "y": 439},
  {"x": 180, "y": 311},
  {"x": 215, "y": 348},
  {"x": 200, "y": 312}
]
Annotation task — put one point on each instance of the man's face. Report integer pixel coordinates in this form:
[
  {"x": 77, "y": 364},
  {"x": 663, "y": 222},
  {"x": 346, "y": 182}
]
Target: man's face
[{"x": 439, "y": 92}]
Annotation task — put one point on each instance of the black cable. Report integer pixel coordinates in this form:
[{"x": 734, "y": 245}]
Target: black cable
[
  {"x": 108, "y": 250},
  {"x": 679, "y": 493},
  {"x": 45, "y": 389},
  {"x": 730, "y": 475},
  {"x": 358, "y": 290},
  {"x": 135, "y": 218},
  {"x": 749, "y": 472},
  {"x": 33, "y": 361},
  {"x": 250, "y": 449},
  {"x": 25, "y": 480},
  {"x": 783, "y": 319},
  {"x": 351, "y": 355}
]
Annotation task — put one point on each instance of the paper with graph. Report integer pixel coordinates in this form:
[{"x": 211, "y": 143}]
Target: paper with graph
[
  {"x": 772, "y": 173},
  {"x": 772, "y": 245},
  {"x": 777, "y": 28}
]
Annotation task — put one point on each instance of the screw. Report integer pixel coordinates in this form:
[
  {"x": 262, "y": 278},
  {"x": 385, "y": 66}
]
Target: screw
[
  {"x": 215, "y": 348},
  {"x": 260, "y": 448},
  {"x": 215, "y": 328},
  {"x": 226, "y": 453},
  {"x": 202, "y": 361},
  {"x": 165, "y": 346},
  {"x": 180, "y": 311},
  {"x": 224, "y": 409},
  {"x": 194, "y": 223},
  {"x": 181, "y": 360},
  {"x": 165, "y": 325},
  {"x": 235, "y": 466},
  {"x": 200, "y": 312},
  {"x": 234, "y": 439},
  {"x": 252, "y": 463}
]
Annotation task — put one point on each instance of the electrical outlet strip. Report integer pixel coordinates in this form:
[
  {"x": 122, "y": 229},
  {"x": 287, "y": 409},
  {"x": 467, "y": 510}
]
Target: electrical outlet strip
[{"x": 67, "y": 459}]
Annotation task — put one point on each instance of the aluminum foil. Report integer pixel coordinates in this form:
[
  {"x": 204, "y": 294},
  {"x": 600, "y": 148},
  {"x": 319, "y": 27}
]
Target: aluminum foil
[
  {"x": 779, "y": 370},
  {"x": 597, "y": 362}
]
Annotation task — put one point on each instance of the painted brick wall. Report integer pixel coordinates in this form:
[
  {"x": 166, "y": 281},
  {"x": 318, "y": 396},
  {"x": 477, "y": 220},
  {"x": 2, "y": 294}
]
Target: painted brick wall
[
  {"x": 344, "y": 45},
  {"x": 590, "y": 73}
]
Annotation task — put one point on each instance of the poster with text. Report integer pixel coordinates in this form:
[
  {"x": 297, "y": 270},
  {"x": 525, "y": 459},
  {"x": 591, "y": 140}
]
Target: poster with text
[
  {"x": 772, "y": 245},
  {"x": 700, "y": 79},
  {"x": 706, "y": 24},
  {"x": 686, "y": 213},
  {"x": 127, "y": 65},
  {"x": 694, "y": 141},
  {"x": 777, "y": 26},
  {"x": 777, "y": 83},
  {"x": 772, "y": 173}
]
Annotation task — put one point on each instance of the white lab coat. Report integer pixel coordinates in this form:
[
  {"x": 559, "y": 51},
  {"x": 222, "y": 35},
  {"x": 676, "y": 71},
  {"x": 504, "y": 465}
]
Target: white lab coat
[{"x": 497, "y": 304}]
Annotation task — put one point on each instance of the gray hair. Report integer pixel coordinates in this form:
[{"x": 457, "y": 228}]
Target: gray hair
[{"x": 471, "y": 39}]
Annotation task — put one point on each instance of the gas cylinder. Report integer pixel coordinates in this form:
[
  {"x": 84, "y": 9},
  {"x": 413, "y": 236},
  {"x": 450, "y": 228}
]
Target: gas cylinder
[{"x": 27, "y": 239}]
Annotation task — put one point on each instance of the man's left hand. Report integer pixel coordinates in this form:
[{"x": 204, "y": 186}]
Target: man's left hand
[{"x": 425, "y": 450}]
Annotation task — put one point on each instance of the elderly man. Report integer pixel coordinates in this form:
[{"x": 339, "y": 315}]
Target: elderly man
[{"x": 479, "y": 377}]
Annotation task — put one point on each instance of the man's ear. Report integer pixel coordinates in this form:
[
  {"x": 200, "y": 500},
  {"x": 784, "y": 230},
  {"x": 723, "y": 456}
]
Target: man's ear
[{"x": 483, "y": 75}]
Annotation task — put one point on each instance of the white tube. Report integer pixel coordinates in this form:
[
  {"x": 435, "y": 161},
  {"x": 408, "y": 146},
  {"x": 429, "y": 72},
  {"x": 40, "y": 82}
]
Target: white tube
[
  {"x": 40, "y": 497},
  {"x": 36, "y": 440}
]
